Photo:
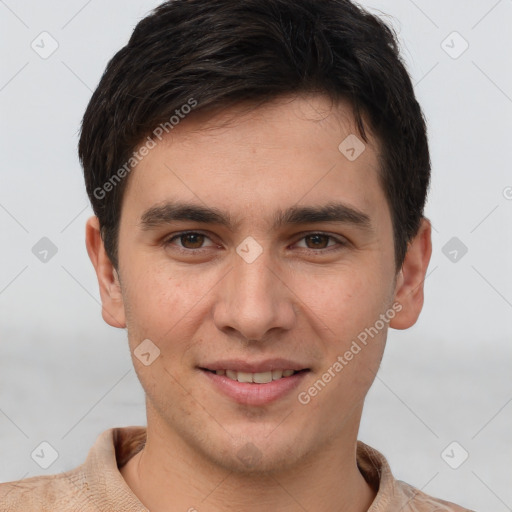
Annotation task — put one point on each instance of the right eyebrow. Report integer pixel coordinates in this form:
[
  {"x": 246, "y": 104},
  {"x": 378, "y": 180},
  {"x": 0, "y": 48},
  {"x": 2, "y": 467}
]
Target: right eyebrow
[{"x": 177, "y": 211}]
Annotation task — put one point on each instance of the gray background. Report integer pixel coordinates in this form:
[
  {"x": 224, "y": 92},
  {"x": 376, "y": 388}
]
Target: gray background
[{"x": 65, "y": 376}]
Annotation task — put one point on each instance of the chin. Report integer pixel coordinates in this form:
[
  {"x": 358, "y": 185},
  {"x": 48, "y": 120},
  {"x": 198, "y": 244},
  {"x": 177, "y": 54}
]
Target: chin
[{"x": 256, "y": 454}]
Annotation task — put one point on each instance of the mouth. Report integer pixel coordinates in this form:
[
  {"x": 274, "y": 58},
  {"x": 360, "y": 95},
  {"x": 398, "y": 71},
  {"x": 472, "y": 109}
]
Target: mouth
[
  {"x": 256, "y": 378},
  {"x": 254, "y": 384}
]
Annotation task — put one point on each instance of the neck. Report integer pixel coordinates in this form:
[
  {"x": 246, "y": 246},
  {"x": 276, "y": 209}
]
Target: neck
[{"x": 169, "y": 471}]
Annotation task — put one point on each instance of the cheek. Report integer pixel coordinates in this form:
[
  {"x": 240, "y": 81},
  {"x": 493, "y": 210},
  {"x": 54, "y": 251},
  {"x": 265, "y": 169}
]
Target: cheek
[
  {"x": 346, "y": 301},
  {"x": 156, "y": 300}
]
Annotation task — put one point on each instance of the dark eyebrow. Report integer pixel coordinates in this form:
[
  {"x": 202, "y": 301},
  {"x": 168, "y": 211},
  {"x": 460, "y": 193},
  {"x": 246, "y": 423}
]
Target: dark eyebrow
[
  {"x": 168, "y": 212},
  {"x": 177, "y": 211},
  {"x": 330, "y": 212}
]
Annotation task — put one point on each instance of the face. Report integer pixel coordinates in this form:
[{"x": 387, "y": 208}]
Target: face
[{"x": 250, "y": 244}]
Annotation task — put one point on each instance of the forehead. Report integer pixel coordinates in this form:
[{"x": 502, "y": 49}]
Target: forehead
[{"x": 248, "y": 161}]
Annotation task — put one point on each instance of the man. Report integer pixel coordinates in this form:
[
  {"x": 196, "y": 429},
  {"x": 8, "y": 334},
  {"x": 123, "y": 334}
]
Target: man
[{"x": 258, "y": 170}]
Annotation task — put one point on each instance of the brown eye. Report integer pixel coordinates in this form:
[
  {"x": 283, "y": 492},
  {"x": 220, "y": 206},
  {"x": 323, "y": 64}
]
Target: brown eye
[
  {"x": 188, "y": 241},
  {"x": 192, "y": 240},
  {"x": 321, "y": 242},
  {"x": 318, "y": 241}
]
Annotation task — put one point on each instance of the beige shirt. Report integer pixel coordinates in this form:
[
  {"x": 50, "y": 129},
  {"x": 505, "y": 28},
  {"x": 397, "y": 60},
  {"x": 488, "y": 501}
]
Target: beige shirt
[{"x": 98, "y": 486}]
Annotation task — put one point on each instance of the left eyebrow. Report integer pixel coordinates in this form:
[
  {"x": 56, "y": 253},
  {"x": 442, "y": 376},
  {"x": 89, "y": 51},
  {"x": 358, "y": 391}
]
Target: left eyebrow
[
  {"x": 330, "y": 212},
  {"x": 168, "y": 212}
]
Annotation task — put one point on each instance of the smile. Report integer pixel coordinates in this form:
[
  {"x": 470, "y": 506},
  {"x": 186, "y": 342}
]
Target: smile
[
  {"x": 256, "y": 378},
  {"x": 254, "y": 388}
]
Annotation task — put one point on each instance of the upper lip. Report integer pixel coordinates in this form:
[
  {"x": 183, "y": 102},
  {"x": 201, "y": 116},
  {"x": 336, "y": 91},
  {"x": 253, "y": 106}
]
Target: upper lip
[{"x": 266, "y": 365}]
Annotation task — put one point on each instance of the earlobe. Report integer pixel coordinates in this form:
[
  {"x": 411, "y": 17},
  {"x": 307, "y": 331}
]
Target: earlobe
[
  {"x": 409, "y": 283},
  {"x": 108, "y": 279}
]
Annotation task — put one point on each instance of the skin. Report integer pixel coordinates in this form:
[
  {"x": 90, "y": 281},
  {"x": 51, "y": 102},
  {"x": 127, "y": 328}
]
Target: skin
[{"x": 300, "y": 299}]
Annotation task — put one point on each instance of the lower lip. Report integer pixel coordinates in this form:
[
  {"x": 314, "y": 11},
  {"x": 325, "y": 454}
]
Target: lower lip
[{"x": 247, "y": 393}]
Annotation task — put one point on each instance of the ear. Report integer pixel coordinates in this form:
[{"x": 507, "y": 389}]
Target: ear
[
  {"x": 409, "y": 284},
  {"x": 108, "y": 279}
]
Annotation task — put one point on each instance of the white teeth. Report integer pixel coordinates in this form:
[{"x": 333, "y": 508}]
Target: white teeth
[
  {"x": 262, "y": 378},
  {"x": 258, "y": 378},
  {"x": 245, "y": 377},
  {"x": 277, "y": 374}
]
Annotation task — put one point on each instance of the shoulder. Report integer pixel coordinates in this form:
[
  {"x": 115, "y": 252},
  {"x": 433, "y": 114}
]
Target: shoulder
[
  {"x": 393, "y": 494},
  {"x": 418, "y": 501},
  {"x": 95, "y": 485},
  {"x": 41, "y": 493}
]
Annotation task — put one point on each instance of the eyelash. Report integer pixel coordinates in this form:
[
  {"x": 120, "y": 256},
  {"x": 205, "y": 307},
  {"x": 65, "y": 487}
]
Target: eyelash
[{"x": 340, "y": 242}]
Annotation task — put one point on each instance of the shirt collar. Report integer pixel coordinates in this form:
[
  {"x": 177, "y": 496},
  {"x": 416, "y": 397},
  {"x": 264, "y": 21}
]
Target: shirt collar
[{"x": 100, "y": 475}]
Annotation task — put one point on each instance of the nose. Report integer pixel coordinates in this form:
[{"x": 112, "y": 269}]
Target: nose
[{"x": 254, "y": 299}]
